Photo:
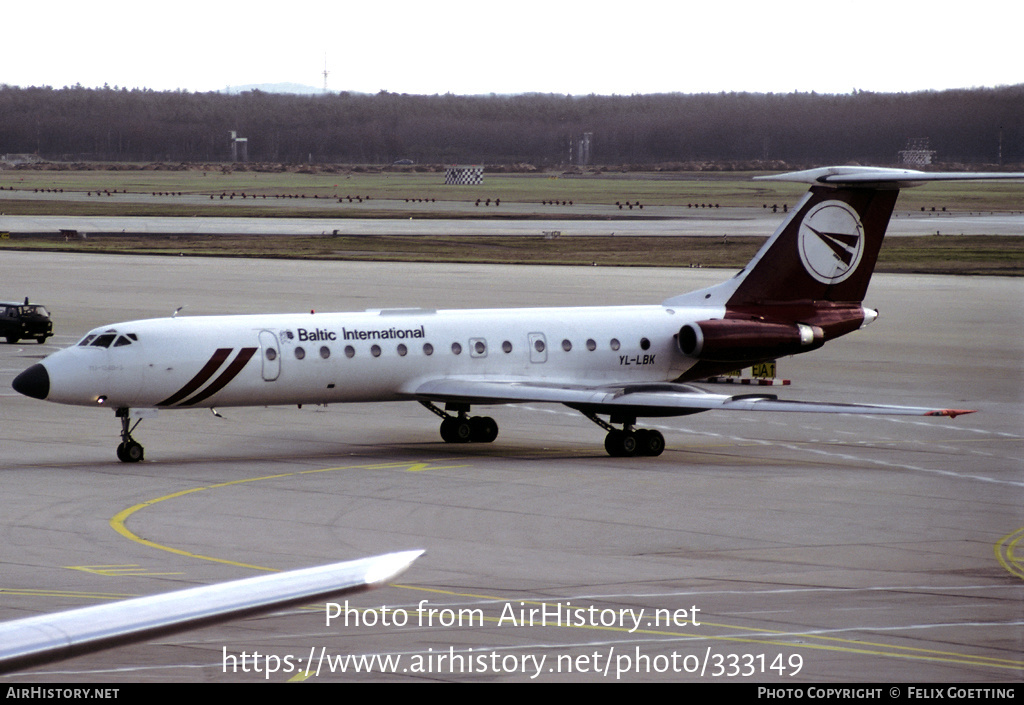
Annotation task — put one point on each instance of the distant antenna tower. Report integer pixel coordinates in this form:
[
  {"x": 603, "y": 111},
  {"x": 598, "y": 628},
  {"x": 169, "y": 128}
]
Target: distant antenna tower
[
  {"x": 579, "y": 149},
  {"x": 326, "y": 72},
  {"x": 237, "y": 142}
]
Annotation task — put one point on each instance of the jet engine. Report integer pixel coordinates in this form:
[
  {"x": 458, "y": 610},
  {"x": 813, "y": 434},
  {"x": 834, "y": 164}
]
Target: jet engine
[{"x": 737, "y": 340}]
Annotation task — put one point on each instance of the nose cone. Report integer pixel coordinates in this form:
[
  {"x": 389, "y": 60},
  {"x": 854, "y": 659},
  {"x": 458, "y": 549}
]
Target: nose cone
[{"x": 33, "y": 382}]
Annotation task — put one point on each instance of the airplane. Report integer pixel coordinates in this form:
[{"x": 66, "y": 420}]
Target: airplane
[
  {"x": 35, "y": 641},
  {"x": 803, "y": 288}
]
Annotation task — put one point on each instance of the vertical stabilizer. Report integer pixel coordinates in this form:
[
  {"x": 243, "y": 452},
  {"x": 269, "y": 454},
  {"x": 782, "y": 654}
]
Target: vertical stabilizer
[{"x": 826, "y": 251}]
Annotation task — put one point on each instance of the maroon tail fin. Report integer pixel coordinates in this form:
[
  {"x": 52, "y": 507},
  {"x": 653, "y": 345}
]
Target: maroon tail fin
[
  {"x": 805, "y": 286},
  {"x": 824, "y": 255},
  {"x": 826, "y": 251}
]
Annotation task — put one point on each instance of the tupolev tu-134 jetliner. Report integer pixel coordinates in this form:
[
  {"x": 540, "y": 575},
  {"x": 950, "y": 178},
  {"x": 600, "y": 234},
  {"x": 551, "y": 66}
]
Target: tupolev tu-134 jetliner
[{"x": 803, "y": 288}]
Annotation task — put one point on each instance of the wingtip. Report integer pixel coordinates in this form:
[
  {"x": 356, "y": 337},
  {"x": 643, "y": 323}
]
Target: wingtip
[
  {"x": 951, "y": 413},
  {"x": 389, "y": 566}
]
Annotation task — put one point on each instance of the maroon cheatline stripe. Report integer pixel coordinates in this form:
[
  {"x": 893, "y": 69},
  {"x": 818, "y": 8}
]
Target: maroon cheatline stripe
[
  {"x": 211, "y": 366},
  {"x": 229, "y": 374}
]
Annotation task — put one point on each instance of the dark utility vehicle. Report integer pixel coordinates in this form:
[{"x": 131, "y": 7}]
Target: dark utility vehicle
[{"x": 22, "y": 321}]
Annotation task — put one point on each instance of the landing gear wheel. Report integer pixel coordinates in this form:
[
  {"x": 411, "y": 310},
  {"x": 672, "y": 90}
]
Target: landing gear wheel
[
  {"x": 463, "y": 431},
  {"x": 456, "y": 430},
  {"x": 463, "y": 428},
  {"x": 133, "y": 452},
  {"x": 448, "y": 430},
  {"x": 641, "y": 442},
  {"x": 460, "y": 429},
  {"x": 628, "y": 441},
  {"x": 611, "y": 443},
  {"x": 651, "y": 442},
  {"x": 130, "y": 452},
  {"x": 484, "y": 429},
  {"x": 621, "y": 444}
]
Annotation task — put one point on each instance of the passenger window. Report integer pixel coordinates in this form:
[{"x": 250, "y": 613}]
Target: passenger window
[
  {"x": 645, "y": 344},
  {"x": 456, "y": 349},
  {"x": 300, "y": 353},
  {"x": 325, "y": 352},
  {"x": 566, "y": 345},
  {"x": 428, "y": 349},
  {"x": 506, "y": 346},
  {"x": 350, "y": 352},
  {"x": 591, "y": 345},
  {"x": 538, "y": 345},
  {"x": 402, "y": 350},
  {"x": 271, "y": 354},
  {"x": 375, "y": 351},
  {"x": 615, "y": 344}
]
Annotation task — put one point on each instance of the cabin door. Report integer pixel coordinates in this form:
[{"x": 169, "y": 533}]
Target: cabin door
[{"x": 271, "y": 355}]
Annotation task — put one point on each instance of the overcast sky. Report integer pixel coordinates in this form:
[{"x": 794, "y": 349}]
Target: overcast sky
[{"x": 552, "y": 46}]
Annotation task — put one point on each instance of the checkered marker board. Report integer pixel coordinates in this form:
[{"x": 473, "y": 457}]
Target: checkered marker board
[{"x": 464, "y": 176}]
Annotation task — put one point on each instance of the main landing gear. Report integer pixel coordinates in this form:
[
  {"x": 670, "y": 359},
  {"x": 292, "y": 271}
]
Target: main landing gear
[
  {"x": 625, "y": 442},
  {"x": 628, "y": 441},
  {"x": 464, "y": 428},
  {"x": 130, "y": 450}
]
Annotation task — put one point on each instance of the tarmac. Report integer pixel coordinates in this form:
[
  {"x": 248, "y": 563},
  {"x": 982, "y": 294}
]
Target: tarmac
[{"x": 600, "y": 221}]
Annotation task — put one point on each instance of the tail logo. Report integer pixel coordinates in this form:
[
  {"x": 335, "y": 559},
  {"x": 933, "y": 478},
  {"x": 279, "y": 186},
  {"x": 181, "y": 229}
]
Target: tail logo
[{"x": 831, "y": 242}]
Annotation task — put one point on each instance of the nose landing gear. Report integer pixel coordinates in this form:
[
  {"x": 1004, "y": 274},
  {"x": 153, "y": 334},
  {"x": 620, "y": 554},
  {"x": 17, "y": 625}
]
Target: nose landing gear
[{"x": 129, "y": 450}]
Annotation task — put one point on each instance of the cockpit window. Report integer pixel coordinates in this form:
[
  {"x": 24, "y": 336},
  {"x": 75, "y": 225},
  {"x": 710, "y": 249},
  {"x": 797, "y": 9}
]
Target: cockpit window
[
  {"x": 109, "y": 338},
  {"x": 104, "y": 340}
]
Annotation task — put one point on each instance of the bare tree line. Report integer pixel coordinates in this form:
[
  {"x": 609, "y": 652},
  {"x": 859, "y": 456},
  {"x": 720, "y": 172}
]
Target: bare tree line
[{"x": 976, "y": 126}]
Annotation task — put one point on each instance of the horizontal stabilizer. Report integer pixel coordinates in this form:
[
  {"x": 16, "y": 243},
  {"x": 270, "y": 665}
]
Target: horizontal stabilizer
[{"x": 875, "y": 177}]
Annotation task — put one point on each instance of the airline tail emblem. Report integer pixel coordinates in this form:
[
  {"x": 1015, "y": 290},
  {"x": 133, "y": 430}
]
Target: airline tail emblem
[{"x": 831, "y": 242}]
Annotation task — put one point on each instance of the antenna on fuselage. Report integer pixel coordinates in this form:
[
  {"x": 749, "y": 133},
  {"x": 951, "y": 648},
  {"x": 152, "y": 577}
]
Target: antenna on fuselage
[{"x": 175, "y": 314}]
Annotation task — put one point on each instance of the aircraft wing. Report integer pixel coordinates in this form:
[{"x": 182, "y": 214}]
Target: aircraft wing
[
  {"x": 644, "y": 399},
  {"x": 52, "y": 637}
]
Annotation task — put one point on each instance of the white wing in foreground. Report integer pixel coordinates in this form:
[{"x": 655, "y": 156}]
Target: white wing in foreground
[
  {"x": 52, "y": 637},
  {"x": 653, "y": 399}
]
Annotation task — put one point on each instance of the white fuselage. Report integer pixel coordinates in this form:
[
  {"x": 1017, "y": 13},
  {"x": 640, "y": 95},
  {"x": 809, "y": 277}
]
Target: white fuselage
[{"x": 366, "y": 356}]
